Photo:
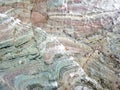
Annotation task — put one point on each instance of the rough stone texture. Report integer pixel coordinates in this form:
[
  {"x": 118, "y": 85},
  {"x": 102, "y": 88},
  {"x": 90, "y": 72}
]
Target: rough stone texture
[{"x": 59, "y": 45}]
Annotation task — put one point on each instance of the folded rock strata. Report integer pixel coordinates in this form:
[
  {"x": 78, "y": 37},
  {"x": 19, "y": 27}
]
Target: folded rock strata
[{"x": 59, "y": 45}]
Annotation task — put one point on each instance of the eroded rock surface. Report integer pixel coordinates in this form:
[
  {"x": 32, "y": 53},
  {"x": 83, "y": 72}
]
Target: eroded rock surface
[{"x": 59, "y": 45}]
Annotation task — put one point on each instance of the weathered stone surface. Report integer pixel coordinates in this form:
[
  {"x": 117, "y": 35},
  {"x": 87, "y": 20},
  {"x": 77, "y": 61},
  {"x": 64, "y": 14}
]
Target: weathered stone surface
[
  {"x": 37, "y": 17},
  {"x": 59, "y": 45}
]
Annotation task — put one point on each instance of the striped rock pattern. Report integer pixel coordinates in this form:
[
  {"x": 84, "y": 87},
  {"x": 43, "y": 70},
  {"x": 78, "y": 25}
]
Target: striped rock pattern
[{"x": 59, "y": 45}]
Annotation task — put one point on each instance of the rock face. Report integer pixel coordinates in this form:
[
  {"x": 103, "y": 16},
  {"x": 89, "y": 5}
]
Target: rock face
[{"x": 59, "y": 45}]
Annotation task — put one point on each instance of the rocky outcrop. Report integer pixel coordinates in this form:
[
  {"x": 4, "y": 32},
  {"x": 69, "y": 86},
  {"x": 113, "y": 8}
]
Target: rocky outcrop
[{"x": 59, "y": 45}]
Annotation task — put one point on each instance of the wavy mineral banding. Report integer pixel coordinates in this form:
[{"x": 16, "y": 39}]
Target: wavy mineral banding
[{"x": 59, "y": 45}]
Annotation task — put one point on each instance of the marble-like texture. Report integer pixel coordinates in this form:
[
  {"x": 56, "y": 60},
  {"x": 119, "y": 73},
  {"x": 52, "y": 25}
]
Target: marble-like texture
[{"x": 59, "y": 45}]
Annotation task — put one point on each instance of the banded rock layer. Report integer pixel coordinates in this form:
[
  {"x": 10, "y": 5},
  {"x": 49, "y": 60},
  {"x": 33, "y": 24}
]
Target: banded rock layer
[{"x": 59, "y": 45}]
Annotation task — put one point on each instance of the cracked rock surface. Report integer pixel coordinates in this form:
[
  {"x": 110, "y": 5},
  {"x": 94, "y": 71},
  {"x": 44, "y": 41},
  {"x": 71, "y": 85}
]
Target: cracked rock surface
[{"x": 59, "y": 45}]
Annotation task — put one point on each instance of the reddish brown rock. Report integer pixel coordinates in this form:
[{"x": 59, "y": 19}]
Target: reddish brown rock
[{"x": 38, "y": 18}]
